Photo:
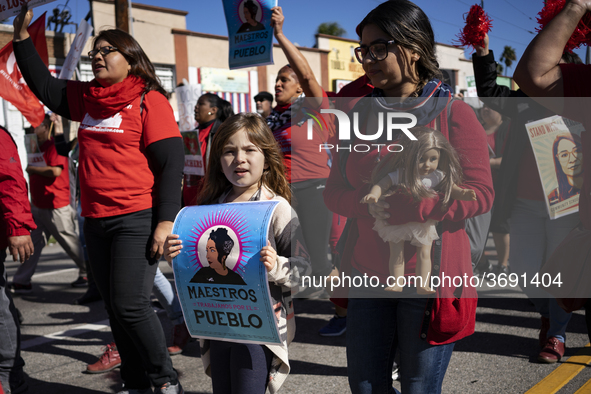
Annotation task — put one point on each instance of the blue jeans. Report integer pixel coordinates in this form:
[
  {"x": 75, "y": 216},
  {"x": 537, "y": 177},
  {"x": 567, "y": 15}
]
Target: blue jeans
[
  {"x": 168, "y": 298},
  {"x": 533, "y": 239},
  {"x": 11, "y": 362},
  {"x": 376, "y": 328}
]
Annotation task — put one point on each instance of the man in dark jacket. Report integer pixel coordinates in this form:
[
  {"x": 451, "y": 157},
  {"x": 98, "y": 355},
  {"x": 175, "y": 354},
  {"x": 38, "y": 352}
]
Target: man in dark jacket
[{"x": 15, "y": 227}]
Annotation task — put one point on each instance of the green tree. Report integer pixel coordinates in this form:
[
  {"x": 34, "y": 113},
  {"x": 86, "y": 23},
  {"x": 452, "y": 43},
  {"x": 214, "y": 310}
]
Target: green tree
[
  {"x": 331, "y": 28},
  {"x": 508, "y": 57}
]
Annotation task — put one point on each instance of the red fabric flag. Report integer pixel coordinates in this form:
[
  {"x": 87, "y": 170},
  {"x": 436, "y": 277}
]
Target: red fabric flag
[{"x": 13, "y": 87}]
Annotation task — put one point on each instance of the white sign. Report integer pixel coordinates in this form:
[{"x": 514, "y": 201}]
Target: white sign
[
  {"x": 10, "y": 8},
  {"x": 82, "y": 35},
  {"x": 222, "y": 80},
  {"x": 471, "y": 83},
  {"x": 186, "y": 97}
]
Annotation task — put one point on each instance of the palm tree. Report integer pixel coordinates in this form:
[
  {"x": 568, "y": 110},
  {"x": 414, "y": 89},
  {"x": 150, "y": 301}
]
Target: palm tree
[
  {"x": 508, "y": 57},
  {"x": 331, "y": 28}
]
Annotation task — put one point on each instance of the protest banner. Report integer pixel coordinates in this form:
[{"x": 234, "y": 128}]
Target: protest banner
[
  {"x": 34, "y": 154},
  {"x": 221, "y": 283},
  {"x": 13, "y": 87},
  {"x": 187, "y": 96},
  {"x": 249, "y": 32},
  {"x": 193, "y": 158},
  {"x": 82, "y": 35},
  {"x": 9, "y": 8},
  {"x": 556, "y": 142}
]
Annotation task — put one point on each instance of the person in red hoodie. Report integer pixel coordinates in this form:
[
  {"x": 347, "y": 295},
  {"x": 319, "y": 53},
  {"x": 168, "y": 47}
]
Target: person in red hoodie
[
  {"x": 397, "y": 51},
  {"x": 53, "y": 214},
  {"x": 15, "y": 226}
]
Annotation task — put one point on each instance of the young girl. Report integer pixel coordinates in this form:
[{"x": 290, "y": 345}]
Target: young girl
[
  {"x": 245, "y": 151},
  {"x": 416, "y": 171}
]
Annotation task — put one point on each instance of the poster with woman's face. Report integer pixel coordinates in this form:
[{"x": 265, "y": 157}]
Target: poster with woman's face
[
  {"x": 249, "y": 32},
  {"x": 557, "y": 147},
  {"x": 221, "y": 282}
]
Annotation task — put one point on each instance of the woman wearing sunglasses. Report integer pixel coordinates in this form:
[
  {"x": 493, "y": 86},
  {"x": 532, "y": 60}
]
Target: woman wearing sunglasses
[
  {"x": 397, "y": 51},
  {"x": 130, "y": 177}
]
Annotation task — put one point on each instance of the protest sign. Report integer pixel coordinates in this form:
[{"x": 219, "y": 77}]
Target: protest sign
[
  {"x": 221, "y": 283},
  {"x": 193, "y": 158},
  {"x": 34, "y": 154},
  {"x": 249, "y": 32},
  {"x": 9, "y": 8},
  {"x": 187, "y": 96},
  {"x": 82, "y": 35},
  {"x": 556, "y": 142}
]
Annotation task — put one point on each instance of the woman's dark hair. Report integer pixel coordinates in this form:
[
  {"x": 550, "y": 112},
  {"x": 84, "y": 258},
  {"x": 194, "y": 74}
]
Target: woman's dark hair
[
  {"x": 252, "y": 8},
  {"x": 225, "y": 110},
  {"x": 571, "y": 58},
  {"x": 224, "y": 107},
  {"x": 141, "y": 66},
  {"x": 408, "y": 25},
  {"x": 223, "y": 244},
  {"x": 563, "y": 183},
  {"x": 215, "y": 183}
]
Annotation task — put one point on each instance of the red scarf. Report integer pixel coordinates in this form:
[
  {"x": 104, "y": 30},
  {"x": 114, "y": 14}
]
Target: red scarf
[{"x": 103, "y": 103}]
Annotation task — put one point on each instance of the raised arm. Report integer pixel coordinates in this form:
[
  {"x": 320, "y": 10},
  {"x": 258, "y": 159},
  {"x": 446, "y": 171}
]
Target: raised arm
[
  {"x": 296, "y": 60},
  {"x": 51, "y": 91},
  {"x": 538, "y": 73}
]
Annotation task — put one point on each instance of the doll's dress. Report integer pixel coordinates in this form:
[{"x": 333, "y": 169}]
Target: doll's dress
[{"x": 418, "y": 234}]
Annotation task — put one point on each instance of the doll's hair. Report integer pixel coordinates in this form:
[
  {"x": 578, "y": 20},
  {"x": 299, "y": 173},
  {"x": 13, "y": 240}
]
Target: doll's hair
[
  {"x": 408, "y": 161},
  {"x": 215, "y": 183}
]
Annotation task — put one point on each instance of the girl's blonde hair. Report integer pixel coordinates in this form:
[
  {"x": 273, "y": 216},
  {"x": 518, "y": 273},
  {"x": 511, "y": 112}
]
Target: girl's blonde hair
[
  {"x": 215, "y": 183},
  {"x": 408, "y": 161}
]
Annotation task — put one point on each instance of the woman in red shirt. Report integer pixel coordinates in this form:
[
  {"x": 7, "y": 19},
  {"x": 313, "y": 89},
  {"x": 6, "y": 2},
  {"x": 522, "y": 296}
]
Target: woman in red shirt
[
  {"x": 130, "y": 174},
  {"x": 299, "y": 98},
  {"x": 397, "y": 51}
]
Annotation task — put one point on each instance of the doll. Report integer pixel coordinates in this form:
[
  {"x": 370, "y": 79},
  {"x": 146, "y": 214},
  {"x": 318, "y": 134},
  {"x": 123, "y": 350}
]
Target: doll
[{"x": 425, "y": 166}]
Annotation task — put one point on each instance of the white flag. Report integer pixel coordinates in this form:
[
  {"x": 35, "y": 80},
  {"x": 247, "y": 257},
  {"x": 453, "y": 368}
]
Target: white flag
[{"x": 82, "y": 35}]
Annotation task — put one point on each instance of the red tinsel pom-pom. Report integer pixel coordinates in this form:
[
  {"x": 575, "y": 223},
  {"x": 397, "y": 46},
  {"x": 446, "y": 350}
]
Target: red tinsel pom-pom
[
  {"x": 582, "y": 33},
  {"x": 478, "y": 24}
]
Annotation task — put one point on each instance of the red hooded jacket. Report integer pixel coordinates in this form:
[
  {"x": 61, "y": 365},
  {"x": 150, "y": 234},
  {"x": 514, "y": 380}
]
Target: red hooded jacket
[{"x": 14, "y": 203}]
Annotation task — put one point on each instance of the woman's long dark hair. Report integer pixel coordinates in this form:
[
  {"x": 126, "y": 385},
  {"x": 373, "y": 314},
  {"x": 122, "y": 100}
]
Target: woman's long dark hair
[
  {"x": 141, "y": 66},
  {"x": 408, "y": 25},
  {"x": 563, "y": 184}
]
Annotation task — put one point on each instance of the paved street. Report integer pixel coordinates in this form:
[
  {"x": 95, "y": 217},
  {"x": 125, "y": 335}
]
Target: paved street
[{"x": 59, "y": 339}]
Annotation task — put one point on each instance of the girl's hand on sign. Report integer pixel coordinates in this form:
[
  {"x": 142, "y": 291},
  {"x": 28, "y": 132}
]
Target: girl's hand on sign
[
  {"x": 172, "y": 247},
  {"x": 269, "y": 257},
  {"x": 21, "y": 22}
]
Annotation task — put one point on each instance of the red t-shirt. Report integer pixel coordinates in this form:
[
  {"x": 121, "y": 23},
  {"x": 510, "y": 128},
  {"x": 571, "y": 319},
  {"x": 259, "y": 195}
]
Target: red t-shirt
[
  {"x": 302, "y": 157},
  {"x": 115, "y": 178},
  {"x": 51, "y": 193},
  {"x": 577, "y": 83}
]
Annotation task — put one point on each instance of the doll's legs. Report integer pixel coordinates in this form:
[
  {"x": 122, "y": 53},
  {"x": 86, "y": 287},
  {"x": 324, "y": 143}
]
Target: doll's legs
[
  {"x": 423, "y": 269},
  {"x": 396, "y": 264}
]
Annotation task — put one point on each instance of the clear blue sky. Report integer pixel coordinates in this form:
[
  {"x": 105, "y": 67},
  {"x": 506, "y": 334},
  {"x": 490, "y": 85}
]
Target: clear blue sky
[{"x": 512, "y": 20}]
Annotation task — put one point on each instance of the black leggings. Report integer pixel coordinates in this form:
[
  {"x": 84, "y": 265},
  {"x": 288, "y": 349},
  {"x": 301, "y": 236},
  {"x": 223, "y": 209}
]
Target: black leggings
[
  {"x": 124, "y": 274},
  {"x": 315, "y": 220},
  {"x": 239, "y": 368}
]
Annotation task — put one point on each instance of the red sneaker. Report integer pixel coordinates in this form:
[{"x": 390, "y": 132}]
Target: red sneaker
[
  {"x": 552, "y": 352},
  {"x": 180, "y": 338},
  {"x": 108, "y": 361}
]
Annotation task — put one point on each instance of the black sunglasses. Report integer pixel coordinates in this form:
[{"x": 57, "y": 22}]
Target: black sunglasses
[
  {"x": 104, "y": 51},
  {"x": 377, "y": 51}
]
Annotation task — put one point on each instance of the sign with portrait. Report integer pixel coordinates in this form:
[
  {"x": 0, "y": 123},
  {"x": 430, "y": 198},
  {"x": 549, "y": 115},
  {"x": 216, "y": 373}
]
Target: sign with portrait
[
  {"x": 34, "y": 154},
  {"x": 249, "y": 32},
  {"x": 556, "y": 142},
  {"x": 193, "y": 158},
  {"x": 221, "y": 283}
]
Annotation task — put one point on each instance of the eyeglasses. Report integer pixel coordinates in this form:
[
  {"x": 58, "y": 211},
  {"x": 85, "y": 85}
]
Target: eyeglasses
[
  {"x": 377, "y": 51},
  {"x": 564, "y": 155},
  {"x": 104, "y": 51}
]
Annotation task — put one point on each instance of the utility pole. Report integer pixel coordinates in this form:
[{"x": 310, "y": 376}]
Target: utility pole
[{"x": 122, "y": 15}]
